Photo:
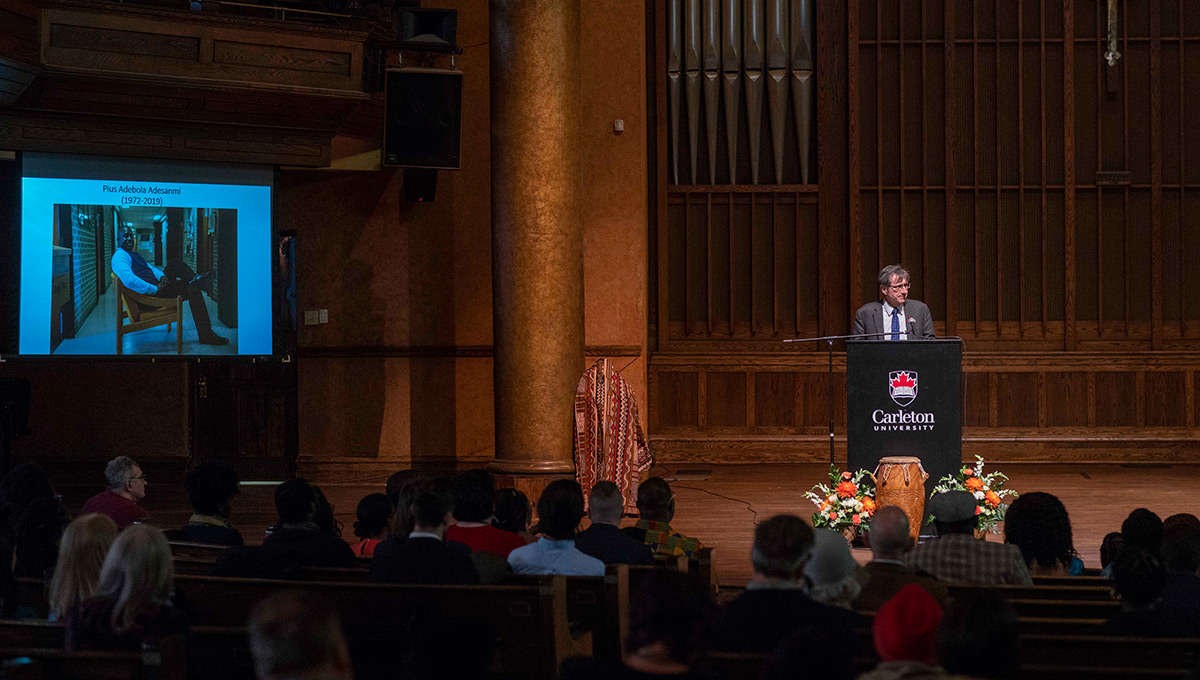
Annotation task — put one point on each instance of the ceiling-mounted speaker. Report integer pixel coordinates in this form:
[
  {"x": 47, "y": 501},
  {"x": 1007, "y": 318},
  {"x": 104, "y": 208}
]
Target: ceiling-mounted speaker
[{"x": 423, "y": 123}]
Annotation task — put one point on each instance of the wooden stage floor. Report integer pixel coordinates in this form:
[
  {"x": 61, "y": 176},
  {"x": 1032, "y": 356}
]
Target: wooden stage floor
[{"x": 721, "y": 503}]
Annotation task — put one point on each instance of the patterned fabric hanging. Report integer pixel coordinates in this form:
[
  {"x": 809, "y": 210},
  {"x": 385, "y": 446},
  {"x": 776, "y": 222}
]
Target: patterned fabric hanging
[{"x": 609, "y": 443}]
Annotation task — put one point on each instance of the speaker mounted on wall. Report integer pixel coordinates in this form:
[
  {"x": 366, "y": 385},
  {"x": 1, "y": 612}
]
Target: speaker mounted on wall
[
  {"x": 423, "y": 125},
  {"x": 427, "y": 29}
]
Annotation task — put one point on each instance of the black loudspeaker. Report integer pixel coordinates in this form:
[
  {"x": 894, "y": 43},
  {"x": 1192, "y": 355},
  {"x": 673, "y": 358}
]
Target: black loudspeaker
[
  {"x": 420, "y": 185},
  {"x": 423, "y": 126},
  {"x": 426, "y": 29}
]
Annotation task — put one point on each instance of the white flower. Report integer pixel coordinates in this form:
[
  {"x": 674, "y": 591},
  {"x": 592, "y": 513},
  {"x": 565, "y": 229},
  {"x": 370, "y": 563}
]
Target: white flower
[
  {"x": 978, "y": 495},
  {"x": 858, "y": 506},
  {"x": 833, "y": 498},
  {"x": 849, "y": 502}
]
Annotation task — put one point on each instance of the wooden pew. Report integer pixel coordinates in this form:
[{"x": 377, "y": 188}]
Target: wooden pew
[
  {"x": 31, "y": 633},
  {"x": 205, "y": 552},
  {"x": 168, "y": 662},
  {"x": 529, "y": 620},
  {"x": 1079, "y": 593}
]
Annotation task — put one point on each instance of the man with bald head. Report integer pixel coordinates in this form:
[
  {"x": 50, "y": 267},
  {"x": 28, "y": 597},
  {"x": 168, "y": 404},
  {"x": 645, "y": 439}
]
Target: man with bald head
[{"x": 886, "y": 574}]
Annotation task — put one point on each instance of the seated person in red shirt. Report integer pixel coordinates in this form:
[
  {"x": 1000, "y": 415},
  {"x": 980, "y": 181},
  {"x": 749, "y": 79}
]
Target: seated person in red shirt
[
  {"x": 474, "y": 494},
  {"x": 126, "y": 486}
]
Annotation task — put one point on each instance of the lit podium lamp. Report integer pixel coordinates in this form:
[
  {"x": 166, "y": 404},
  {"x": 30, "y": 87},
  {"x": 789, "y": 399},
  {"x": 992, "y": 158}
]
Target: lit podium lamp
[{"x": 903, "y": 401}]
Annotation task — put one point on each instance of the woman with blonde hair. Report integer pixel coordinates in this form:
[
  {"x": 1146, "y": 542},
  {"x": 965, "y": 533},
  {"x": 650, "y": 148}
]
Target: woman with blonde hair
[
  {"x": 85, "y": 542},
  {"x": 132, "y": 605}
]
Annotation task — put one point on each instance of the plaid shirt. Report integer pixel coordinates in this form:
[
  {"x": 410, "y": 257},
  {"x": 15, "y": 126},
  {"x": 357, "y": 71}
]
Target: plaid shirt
[
  {"x": 959, "y": 558},
  {"x": 665, "y": 541}
]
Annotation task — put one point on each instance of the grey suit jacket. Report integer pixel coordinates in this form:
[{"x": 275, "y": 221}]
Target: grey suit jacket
[{"x": 869, "y": 319}]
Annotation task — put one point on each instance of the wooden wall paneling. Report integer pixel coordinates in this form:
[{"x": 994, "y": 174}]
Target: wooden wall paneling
[
  {"x": 1017, "y": 399},
  {"x": 1070, "y": 338},
  {"x": 665, "y": 155},
  {"x": 678, "y": 399},
  {"x": 853, "y": 176},
  {"x": 1065, "y": 399},
  {"x": 1165, "y": 399},
  {"x": 1116, "y": 399},
  {"x": 732, "y": 268},
  {"x": 775, "y": 400},
  {"x": 725, "y": 399},
  {"x": 1022, "y": 309},
  {"x": 1156, "y": 175},
  {"x": 950, "y": 182},
  {"x": 709, "y": 261},
  {"x": 15, "y": 76},
  {"x": 976, "y": 399}
]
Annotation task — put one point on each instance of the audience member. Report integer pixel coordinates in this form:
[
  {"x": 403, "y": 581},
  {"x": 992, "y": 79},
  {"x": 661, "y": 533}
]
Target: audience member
[
  {"x": 512, "y": 513},
  {"x": 298, "y": 534},
  {"x": 424, "y": 556},
  {"x": 1138, "y": 579},
  {"x": 132, "y": 605},
  {"x": 296, "y": 542},
  {"x": 293, "y": 637},
  {"x": 668, "y": 619},
  {"x": 323, "y": 514},
  {"x": 126, "y": 486},
  {"x": 210, "y": 489},
  {"x": 1142, "y": 530},
  {"x": 375, "y": 514},
  {"x": 979, "y": 637},
  {"x": 656, "y": 509},
  {"x": 1178, "y": 609},
  {"x": 397, "y": 482},
  {"x": 1184, "y": 520},
  {"x": 38, "y": 532},
  {"x": 474, "y": 498},
  {"x": 886, "y": 574},
  {"x": 773, "y": 605},
  {"x": 830, "y": 575},
  {"x": 603, "y": 539},
  {"x": 85, "y": 542},
  {"x": 1110, "y": 547},
  {"x": 904, "y": 631},
  {"x": 560, "y": 509},
  {"x": 1038, "y": 524},
  {"x": 957, "y": 556},
  {"x": 404, "y": 502}
]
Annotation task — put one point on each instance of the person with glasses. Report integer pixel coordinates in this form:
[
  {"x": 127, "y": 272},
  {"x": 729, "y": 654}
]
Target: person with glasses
[
  {"x": 895, "y": 316},
  {"x": 126, "y": 486}
]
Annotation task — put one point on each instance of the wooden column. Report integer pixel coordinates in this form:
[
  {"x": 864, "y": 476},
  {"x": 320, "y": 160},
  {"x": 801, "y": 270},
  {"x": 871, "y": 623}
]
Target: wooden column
[{"x": 537, "y": 238}]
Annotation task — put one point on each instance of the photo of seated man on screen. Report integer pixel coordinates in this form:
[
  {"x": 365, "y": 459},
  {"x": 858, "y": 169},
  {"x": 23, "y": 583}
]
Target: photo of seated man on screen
[{"x": 141, "y": 280}]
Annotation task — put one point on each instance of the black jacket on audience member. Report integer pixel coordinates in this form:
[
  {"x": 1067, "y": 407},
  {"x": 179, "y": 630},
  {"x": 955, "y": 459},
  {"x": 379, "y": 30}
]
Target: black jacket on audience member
[
  {"x": 759, "y": 620},
  {"x": 210, "y": 534},
  {"x": 422, "y": 559},
  {"x": 284, "y": 551},
  {"x": 608, "y": 544}
]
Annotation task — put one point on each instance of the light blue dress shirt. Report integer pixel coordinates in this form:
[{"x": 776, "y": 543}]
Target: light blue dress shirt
[{"x": 554, "y": 557}]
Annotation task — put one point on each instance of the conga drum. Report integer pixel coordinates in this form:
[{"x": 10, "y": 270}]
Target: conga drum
[{"x": 900, "y": 481}]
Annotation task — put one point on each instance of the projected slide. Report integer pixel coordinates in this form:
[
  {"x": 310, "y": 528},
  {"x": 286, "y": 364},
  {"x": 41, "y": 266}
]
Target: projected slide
[{"x": 118, "y": 267}]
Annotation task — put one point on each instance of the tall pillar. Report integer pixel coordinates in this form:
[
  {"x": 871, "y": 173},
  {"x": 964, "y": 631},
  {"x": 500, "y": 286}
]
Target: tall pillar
[{"x": 537, "y": 238}]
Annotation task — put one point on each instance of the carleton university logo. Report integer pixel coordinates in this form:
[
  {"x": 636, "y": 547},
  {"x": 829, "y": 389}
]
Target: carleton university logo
[{"x": 902, "y": 386}]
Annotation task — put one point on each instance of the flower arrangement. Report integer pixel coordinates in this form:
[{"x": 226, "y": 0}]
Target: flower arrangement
[
  {"x": 845, "y": 504},
  {"x": 988, "y": 490}
]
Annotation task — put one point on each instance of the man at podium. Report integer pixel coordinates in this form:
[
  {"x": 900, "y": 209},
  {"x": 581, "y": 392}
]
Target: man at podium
[{"x": 895, "y": 317}]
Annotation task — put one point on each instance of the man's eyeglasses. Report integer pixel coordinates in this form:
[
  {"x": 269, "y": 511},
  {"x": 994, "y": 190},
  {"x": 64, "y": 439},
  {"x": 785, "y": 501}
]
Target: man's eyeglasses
[
  {"x": 141, "y": 477},
  {"x": 900, "y": 286}
]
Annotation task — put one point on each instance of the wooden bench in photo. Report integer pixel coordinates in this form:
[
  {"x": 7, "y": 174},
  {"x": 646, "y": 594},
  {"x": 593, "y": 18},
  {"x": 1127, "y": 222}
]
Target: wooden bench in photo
[
  {"x": 146, "y": 311},
  {"x": 530, "y": 621}
]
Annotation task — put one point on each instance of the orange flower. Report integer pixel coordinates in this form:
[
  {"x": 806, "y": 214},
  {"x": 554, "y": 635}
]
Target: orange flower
[
  {"x": 869, "y": 505},
  {"x": 846, "y": 475},
  {"x": 967, "y": 472},
  {"x": 978, "y": 509},
  {"x": 833, "y": 515},
  {"x": 974, "y": 484},
  {"x": 856, "y": 519},
  {"x": 846, "y": 490},
  {"x": 992, "y": 498}
]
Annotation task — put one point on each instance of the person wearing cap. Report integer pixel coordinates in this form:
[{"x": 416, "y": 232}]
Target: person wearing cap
[
  {"x": 905, "y": 630},
  {"x": 886, "y": 574},
  {"x": 831, "y": 575},
  {"x": 956, "y": 556},
  {"x": 774, "y": 605}
]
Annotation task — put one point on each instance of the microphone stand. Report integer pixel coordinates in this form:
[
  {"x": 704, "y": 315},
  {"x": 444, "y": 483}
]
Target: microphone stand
[{"x": 828, "y": 340}]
